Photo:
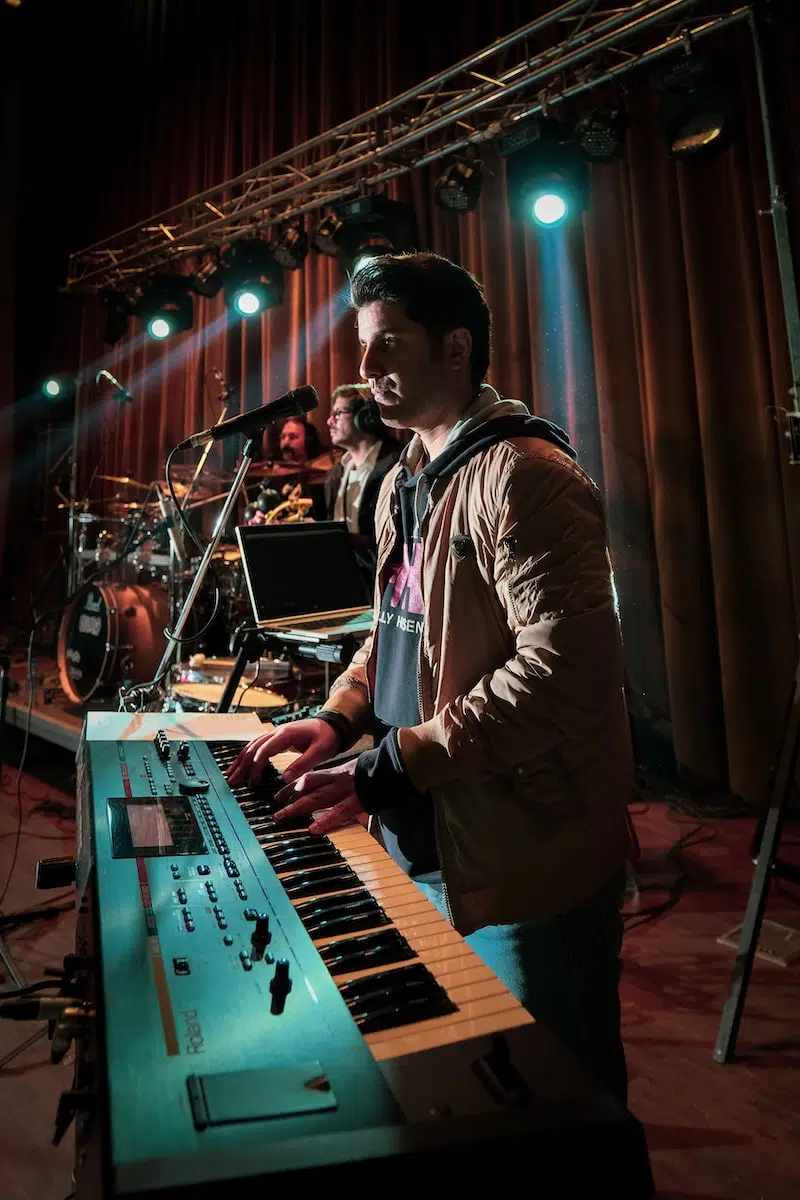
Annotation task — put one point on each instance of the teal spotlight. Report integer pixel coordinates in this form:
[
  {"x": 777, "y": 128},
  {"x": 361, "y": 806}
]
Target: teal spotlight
[
  {"x": 159, "y": 327},
  {"x": 550, "y": 209},
  {"x": 165, "y": 307},
  {"x": 58, "y": 388},
  {"x": 547, "y": 177},
  {"x": 253, "y": 280}
]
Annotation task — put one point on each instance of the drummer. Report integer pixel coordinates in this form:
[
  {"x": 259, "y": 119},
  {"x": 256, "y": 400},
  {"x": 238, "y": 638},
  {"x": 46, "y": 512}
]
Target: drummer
[{"x": 299, "y": 442}]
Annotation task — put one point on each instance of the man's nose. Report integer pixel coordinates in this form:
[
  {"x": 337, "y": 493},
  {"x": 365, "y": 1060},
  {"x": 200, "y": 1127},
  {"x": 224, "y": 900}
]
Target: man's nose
[{"x": 370, "y": 365}]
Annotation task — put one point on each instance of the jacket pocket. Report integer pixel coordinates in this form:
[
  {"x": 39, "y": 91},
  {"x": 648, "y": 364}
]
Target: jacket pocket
[{"x": 548, "y": 793}]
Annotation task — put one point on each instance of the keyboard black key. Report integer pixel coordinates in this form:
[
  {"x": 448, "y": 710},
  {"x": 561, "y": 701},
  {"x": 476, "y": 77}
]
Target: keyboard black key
[
  {"x": 316, "y": 883},
  {"x": 377, "y": 949},
  {"x": 390, "y": 1016},
  {"x": 307, "y": 856},
  {"x": 388, "y": 985}
]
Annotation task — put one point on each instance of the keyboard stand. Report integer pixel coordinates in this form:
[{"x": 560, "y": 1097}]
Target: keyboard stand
[{"x": 251, "y": 642}]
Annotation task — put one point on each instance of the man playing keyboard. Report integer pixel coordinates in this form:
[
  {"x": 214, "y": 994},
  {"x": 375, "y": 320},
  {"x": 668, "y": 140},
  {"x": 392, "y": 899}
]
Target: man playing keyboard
[{"x": 493, "y": 677}]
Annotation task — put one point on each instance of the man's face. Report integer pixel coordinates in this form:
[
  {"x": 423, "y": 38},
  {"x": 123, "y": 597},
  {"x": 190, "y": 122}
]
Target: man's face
[
  {"x": 293, "y": 442},
  {"x": 405, "y": 370},
  {"x": 340, "y": 422}
]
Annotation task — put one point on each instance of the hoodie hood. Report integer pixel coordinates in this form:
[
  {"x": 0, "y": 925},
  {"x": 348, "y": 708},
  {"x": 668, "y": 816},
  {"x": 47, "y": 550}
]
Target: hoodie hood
[{"x": 488, "y": 420}]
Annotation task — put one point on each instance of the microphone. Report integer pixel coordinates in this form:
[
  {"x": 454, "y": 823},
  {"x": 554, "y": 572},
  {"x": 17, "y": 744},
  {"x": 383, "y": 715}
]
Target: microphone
[
  {"x": 122, "y": 393},
  {"x": 292, "y": 404}
]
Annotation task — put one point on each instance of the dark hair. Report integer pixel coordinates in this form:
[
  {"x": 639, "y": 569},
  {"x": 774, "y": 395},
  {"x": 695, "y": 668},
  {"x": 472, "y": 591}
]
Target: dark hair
[
  {"x": 359, "y": 393},
  {"x": 435, "y": 293},
  {"x": 313, "y": 442},
  {"x": 366, "y": 414}
]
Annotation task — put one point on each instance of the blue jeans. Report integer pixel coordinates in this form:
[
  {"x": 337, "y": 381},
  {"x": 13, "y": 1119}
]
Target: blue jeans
[{"x": 565, "y": 970}]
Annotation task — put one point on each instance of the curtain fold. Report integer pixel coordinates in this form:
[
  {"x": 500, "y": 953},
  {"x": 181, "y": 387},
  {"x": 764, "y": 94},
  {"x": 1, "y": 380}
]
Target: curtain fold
[{"x": 653, "y": 331}]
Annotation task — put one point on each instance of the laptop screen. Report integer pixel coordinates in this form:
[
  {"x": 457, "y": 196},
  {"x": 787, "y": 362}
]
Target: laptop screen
[{"x": 300, "y": 568}]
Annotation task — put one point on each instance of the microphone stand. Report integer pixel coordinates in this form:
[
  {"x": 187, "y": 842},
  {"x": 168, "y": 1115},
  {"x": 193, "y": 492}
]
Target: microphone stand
[
  {"x": 249, "y": 449},
  {"x": 224, "y": 398}
]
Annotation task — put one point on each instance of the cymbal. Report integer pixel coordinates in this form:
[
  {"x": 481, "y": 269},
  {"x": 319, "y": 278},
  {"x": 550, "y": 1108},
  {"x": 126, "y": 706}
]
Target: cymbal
[
  {"x": 325, "y": 462},
  {"x": 121, "y": 507},
  {"x": 306, "y": 473},
  {"x": 184, "y": 473},
  {"x": 125, "y": 480},
  {"x": 200, "y": 491}
]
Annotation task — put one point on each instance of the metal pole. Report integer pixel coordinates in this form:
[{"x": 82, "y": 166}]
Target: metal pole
[
  {"x": 783, "y": 246},
  {"x": 73, "y": 566},
  {"x": 766, "y": 861}
]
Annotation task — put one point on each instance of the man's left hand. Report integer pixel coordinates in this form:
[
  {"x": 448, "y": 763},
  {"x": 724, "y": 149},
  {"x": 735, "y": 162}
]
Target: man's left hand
[{"x": 333, "y": 790}]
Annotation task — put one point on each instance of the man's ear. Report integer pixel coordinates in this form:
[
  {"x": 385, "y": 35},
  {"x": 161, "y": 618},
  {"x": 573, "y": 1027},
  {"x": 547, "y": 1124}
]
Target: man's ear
[{"x": 458, "y": 348}]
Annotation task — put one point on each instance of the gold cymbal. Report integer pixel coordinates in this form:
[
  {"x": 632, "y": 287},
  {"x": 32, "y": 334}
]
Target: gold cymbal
[
  {"x": 325, "y": 462},
  {"x": 125, "y": 480},
  {"x": 184, "y": 473}
]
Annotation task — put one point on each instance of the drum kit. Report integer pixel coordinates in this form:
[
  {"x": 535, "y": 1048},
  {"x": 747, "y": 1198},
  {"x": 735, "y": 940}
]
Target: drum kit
[{"x": 131, "y": 567}]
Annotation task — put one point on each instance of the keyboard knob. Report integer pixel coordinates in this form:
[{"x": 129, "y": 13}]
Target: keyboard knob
[
  {"x": 280, "y": 986},
  {"x": 261, "y": 937}
]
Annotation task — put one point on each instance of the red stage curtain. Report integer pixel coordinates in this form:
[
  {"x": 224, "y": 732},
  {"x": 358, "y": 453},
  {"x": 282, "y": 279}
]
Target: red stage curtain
[{"x": 654, "y": 333}]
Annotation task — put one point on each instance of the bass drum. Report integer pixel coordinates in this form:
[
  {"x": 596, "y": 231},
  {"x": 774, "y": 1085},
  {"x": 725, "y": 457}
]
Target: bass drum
[{"x": 111, "y": 634}]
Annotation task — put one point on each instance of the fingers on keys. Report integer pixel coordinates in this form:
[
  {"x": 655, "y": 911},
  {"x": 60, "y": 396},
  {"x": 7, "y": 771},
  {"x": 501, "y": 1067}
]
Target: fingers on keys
[{"x": 251, "y": 762}]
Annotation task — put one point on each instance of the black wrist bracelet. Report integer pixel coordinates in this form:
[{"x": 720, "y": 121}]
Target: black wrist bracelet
[{"x": 340, "y": 724}]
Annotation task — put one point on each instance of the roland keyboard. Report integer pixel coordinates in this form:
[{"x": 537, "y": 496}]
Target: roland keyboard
[{"x": 272, "y": 1005}]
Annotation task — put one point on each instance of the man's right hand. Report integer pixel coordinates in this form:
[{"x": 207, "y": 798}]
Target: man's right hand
[{"x": 317, "y": 741}]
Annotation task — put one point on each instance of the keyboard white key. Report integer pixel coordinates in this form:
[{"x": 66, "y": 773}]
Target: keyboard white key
[{"x": 483, "y": 1004}]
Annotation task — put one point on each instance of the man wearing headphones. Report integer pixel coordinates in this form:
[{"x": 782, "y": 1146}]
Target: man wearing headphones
[
  {"x": 351, "y": 489},
  {"x": 299, "y": 441}
]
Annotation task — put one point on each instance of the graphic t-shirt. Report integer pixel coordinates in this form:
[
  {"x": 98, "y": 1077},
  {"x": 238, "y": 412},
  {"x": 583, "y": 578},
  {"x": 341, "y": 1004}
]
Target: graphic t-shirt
[{"x": 407, "y": 831}]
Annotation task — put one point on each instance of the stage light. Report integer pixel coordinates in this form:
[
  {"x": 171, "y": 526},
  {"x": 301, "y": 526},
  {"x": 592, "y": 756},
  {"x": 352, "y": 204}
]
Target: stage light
[
  {"x": 547, "y": 177},
  {"x": 164, "y": 305},
  {"x": 324, "y": 238},
  {"x": 550, "y": 208},
  {"x": 253, "y": 279},
  {"x": 247, "y": 302},
  {"x": 59, "y": 390},
  {"x": 159, "y": 328},
  {"x": 699, "y": 107},
  {"x": 290, "y": 248},
  {"x": 458, "y": 189},
  {"x": 361, "y": 229},
  {"x": 601, "y": 135},
  {"x": 210, "y": 276}
]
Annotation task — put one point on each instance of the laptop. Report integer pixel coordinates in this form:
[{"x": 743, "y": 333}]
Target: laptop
[{"x": 303, "y": 580}]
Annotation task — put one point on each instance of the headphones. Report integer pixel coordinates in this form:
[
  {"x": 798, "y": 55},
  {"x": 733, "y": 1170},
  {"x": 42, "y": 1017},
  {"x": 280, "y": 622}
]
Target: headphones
[{"x": 367, "y": 419}]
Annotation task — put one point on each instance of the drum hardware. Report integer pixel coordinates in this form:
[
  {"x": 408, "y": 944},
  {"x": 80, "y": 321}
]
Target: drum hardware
[
  {"x": 125, "y": 480},
  {"x": 146, "y": 693},
  {"x": 109, "y": 632}
]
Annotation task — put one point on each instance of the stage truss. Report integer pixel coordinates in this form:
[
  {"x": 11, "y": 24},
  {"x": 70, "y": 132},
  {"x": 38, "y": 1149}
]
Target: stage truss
[{"x": 470, "y": 104}]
